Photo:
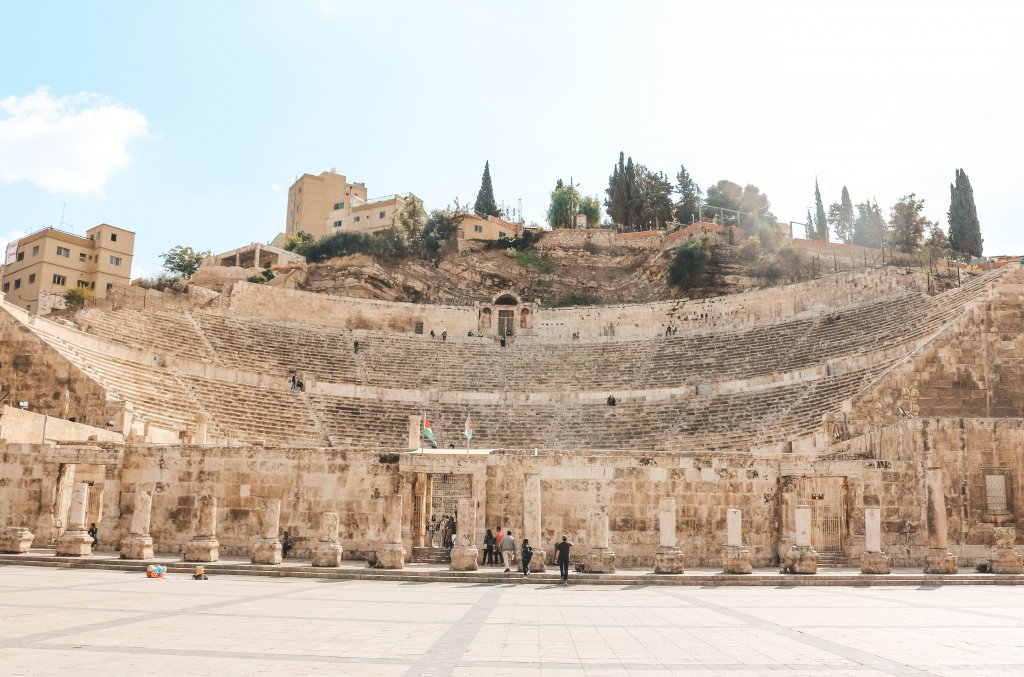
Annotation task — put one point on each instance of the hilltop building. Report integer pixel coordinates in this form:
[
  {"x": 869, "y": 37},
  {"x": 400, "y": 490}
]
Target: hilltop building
[
  {"x": 325, "y": 204},
  {"x": 476, "y": 227},
  {"x": 41, "y": 266}
]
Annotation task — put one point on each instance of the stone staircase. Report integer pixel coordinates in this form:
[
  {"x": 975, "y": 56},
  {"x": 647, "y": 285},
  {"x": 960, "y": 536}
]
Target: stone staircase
[
  {"x": 431, "y": 556},
  {"x": 832, "y": 560}
]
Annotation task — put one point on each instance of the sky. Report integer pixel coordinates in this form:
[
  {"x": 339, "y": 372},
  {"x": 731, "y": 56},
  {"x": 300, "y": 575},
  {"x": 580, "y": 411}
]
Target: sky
[{"x": 187, "y": 121}]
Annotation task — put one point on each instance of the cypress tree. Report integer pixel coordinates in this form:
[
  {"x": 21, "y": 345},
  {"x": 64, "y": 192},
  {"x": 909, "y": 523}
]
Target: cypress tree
[
  {"x": 618, "y": 195},
  {"x": 809, "y": 230},
  {"x": 485, "y": 204},
  {"x": 632, "y": 205},
  {"x": 821, "y": 221},
  {"x": 844, "y": 222},
  {"x": 964, "y": 228}
]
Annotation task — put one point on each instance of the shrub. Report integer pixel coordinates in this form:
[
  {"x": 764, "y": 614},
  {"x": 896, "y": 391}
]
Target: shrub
[
  {"x": 266, "y": 276},
  {"x": 164, "y": 282},
  {"x": 750, "y": 248},
  {"x": 77, "y": 296},
  {"x": 691, "y": 263},
  {"x": 528, "y": 259}
]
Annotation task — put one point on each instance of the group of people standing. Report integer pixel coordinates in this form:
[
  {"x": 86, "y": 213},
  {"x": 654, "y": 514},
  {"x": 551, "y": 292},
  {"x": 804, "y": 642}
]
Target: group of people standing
[{"x": 445, "y": 528}]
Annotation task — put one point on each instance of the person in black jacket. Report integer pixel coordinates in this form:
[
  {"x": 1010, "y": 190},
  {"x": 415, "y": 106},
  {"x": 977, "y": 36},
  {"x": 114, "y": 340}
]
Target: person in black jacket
[
  {"x": 562, "y": 557},
  {"x": 527, "y": 555}
]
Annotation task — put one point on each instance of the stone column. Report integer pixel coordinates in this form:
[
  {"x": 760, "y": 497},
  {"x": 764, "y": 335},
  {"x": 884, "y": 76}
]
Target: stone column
[
  {"x": 668, "y": 559},
  {"x": 939, "y": 559},
  {"x": 391, "y": 553},
  {"x": 75, "y": 541},
  {"x": 202, "y": 428},
  {"x": 735, "y": 558},
  {"x": 16, "y": 540},
  {"x": 874, "y": 561},
  {"x": 600, "y": 559},
  {"x": 268, "y": 549},
  {"x": 139, "y": 544},
  {"x": 1003, "y": 559},
  {"x": 465, "y": 554},
  {"x": 801, "y": 558},
  {"x": 204, "y": 546},
  {"x": 532, "y": 521},
  {"x": 328, "y": 550}
]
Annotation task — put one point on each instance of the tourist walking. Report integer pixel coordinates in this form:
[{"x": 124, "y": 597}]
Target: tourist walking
[
  {"x": 562, "y": 557},
  {"x": 508, "y": 550},
  {"x": 527, "y": 555},
  {"x": 498, "y": 536},
  {"x": 432, "y": 529},
  {"x": 489, "y": 547}
]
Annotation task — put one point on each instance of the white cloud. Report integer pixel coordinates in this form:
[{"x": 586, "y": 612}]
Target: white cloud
[
  {"x": 70, "y": 144},
  {"x": 275, "y": 188}
]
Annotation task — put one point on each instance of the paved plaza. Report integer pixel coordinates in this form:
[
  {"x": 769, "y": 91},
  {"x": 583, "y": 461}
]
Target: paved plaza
[{"x": 108, "y": 622}]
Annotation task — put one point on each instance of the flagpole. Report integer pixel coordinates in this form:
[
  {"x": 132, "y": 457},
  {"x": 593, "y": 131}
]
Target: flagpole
[{"x": 419, "y": 435}]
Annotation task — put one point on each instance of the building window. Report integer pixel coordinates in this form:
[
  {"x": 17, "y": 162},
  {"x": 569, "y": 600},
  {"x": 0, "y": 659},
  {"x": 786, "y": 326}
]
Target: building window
[
  {"x": 337, "y": 224},
  {"x": 382, "y": 214},
  {"x": 64, "y": 251},
  {"x": 419, "y": 328},
  {"x": 21, "y": 256},
  {"x": 35, "y": 250},
  {"x": 32, "y": 278},
  {"x": 339, "y": 205},
  {"x": 113, "y": 237},
  {"x": 83, "y": 283},
  {"x": 996, "y": 495},
  {"x": 478, "y": 229},
  {"x": 110, "y": 286},
  {"x": 17, "y": 283},
  {"x": 60, "y": 280},
  {"x": 357, "y": 219},
  {"x": 115, "y": 260},
  {"x": 7, "y": 287},
  {"x": 81, "y": 257}
]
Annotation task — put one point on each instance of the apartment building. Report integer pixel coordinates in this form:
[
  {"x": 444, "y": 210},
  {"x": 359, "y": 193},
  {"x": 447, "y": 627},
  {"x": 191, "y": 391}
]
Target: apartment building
[
  {"x": 41, "y": 266},
  {"x": 476, "y": 227},
  {"x": 324, "y": 204}
]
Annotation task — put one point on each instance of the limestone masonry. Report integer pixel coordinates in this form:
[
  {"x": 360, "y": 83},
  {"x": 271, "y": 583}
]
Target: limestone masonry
[{"x": 849, "y": 420}]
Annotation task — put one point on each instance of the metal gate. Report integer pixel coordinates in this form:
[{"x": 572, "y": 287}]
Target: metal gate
[
  {"x": 445, "y": 492},
  {"x": 506, "y": 322},
  {"x": 827, "y": 498}
]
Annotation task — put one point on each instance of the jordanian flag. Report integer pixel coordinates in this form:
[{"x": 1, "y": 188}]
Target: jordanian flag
[
  {"x": 428, "y": 432},
  {"x": 469, "y": 428}
]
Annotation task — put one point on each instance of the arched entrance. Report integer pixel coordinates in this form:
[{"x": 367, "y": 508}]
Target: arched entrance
[{"x": 506, "y": 314}]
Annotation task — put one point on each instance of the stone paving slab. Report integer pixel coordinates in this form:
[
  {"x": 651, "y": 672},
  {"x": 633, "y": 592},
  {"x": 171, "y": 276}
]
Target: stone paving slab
[
  {"x": 106, "y": 622},
  {"x": 435, "y": 573}
]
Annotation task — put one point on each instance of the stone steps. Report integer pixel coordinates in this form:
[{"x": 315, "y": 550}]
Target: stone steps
[{"x": 431, "y": 556}]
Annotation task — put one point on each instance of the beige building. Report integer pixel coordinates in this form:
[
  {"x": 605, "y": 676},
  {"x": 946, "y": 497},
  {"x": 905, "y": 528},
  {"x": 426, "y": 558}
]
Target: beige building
[
  {"x": 40, "y": 267},
  {"x": 325, "y": 204},
  {"x": 476, "y": 227}
]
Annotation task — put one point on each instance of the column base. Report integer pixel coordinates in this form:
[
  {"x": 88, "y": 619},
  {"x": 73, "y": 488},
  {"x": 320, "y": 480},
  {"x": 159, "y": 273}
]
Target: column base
[
  {"x": 601, "y": 561},
  {"x": 538, "y": 564},
  {"x": 391, "y": 556},
  {"x": 77, "y": 543},
  {"x": 940, "y": 561},
  {"x": 202, "y": 550},
  {"x": 669, "y": 560},
  {"x": 1005, "y": 561},
  {"x": 464, "y": 558},
  {"x": 267, "y": 552},
  {"x": 801, "y": 559},
  {"x": 736, "y": 560},
  {"x": 875, "y": 563},
  {"x": 16, "y": 540},
  {"x": 327, "y": 555},
  {"x": 135, "y": 546}
]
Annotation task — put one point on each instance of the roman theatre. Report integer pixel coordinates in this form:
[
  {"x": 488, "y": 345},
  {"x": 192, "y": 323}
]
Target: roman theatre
[{"x": 873, "y": 416}]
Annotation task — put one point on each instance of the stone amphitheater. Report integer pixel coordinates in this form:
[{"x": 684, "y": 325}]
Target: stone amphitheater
[{"x": 846, "y": 417}]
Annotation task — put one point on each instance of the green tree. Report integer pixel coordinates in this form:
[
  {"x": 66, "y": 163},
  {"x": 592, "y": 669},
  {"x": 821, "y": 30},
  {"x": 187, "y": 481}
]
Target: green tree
[
  {"x": 617, "y": 201},
  {"x": 562, "y": 209},
  {"x": 937, "y": 244},
  {"x": 869, "y": 228},
  {"x": 408, "y": 220},
  {"x": 752, "y": 204},
  {"x": 820, "y": 220},
  {"x": 810, "y": 231},
  {"x": 687, "y": 207},
  {"x": 442, "y": 225},
  {"x": 297, "y": 243},
  {"x": 183, "y": 260},
  {"x": 653, "y": 199},
  {"x": 844, "y": 219},
  {"x": 964, "y": 227},
  {"x": 907, "y": 223},
  {"x": 485, "y": 204},
  {"x": 591, "y": 208},
  {"x": 690, "y": 263},
  {"x": 77, "y": 296}
]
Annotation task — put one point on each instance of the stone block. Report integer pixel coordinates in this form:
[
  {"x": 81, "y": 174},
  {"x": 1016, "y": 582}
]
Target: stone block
[
  {"x": 875, "y": 563},
  {"x": 737, "y": 560},
  {"x": 267, "y": 551},
  {"x": 800, "y": 559},
  {"x": 464, "y": 558},
  {"x": 327, "y": 555},
  {"x": 135, "y": 546},
  {"x": 940, "y": 561},
  {"x": 74, "y": 543},
  {"x": 202, "y": 550},
  {"x": 600, "y": 561},
  {"x": 391, "y": 556},
  {"x": 1003, "y": 559},
  {"x": 16, "y": 540},
  {"x": 669, "y": 560},
  {"x": 538, "y": 564}
]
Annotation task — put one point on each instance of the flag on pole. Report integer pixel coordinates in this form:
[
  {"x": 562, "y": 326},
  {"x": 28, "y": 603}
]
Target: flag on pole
[
  {"x": 428, "y": 432},
  {"x": 469, "y": 428}
]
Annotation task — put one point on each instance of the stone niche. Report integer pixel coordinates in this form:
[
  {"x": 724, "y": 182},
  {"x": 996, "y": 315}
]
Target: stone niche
[{"x": 506, "y": 315}]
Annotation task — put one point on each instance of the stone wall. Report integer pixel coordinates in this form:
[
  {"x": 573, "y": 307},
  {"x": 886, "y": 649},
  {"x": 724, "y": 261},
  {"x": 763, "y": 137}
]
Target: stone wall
[{"x": 17, "y": 425}]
